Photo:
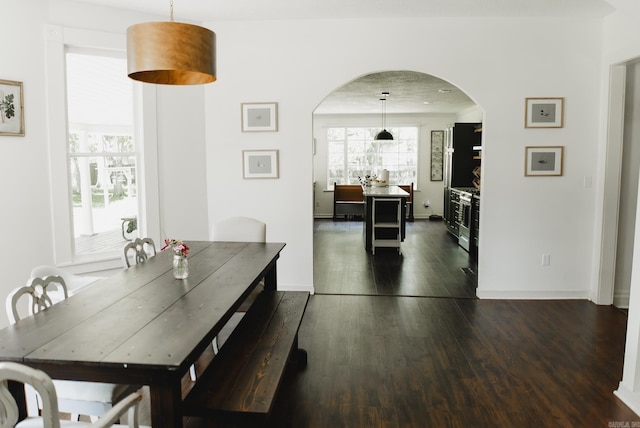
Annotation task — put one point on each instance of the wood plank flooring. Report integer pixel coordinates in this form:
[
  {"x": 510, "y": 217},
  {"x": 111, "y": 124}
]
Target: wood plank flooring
[
  {"x": 431, "y": 264},
  {"x": 391, "y": 344}
]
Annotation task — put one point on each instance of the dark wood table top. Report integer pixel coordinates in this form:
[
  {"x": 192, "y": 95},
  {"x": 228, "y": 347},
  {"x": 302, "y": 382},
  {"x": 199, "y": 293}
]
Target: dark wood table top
[{"x": 141, "y": 325}]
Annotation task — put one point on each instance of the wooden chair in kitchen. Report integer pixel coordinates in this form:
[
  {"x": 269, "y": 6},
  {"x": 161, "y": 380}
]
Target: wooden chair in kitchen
[
  {"x": 409, "y": 204},
  {"x": 141, "y": 249},
  {"x": 78, "y": 398},
  {"x": 50, "y": 418}
]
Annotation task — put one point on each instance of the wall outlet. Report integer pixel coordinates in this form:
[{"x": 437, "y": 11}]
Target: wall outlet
[
  {"x": 546, "y": 259},
  {"x": 427, "y": 203}
]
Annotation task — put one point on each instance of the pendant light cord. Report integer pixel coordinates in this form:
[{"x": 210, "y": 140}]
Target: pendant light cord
[
  {"x": 171, "y": 10},
  {"x": 384, "y": 113}
]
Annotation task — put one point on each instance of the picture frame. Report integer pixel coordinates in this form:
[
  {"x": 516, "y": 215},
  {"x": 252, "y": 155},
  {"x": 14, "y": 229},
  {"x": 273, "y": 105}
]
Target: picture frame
[
  {"x": 259, "y": 117},
  {"x": 544, "y": 112},
  {"x": 260, "y": 164},
  {"x": 437, "y": 155},
  {"x": 11, "y": 108},
  {"x": 543, "y": 161}
]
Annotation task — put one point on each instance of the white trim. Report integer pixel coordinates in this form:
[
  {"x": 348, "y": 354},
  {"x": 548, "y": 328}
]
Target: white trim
[
  {"x": 628, "y": 397},
  {"x": 296, "y": 287},
  {"x": 534, "y": 294},
  {"x": 57, "y": 40}
]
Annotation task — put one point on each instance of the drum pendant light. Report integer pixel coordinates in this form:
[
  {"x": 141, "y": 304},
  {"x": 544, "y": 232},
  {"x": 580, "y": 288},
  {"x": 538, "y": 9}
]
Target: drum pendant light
[
  {"x": 384, "y": 134},
  {"x": 171, "y": 53}
]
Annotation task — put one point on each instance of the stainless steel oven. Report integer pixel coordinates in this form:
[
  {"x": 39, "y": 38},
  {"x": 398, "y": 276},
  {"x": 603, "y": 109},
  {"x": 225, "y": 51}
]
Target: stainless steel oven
[{"x": 464, "y": 220}]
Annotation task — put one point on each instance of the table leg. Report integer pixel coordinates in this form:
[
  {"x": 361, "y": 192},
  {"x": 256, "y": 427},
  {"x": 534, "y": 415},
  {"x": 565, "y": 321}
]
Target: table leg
[
  {"x": 17, "y": 390},
  {"x": 271, "y": 278},
  {"x": 166, "y": 405}
]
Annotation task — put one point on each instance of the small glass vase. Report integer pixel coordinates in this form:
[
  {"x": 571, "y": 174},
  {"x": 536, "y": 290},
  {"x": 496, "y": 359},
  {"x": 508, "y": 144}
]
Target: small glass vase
[{"x": 180, "y": 266}]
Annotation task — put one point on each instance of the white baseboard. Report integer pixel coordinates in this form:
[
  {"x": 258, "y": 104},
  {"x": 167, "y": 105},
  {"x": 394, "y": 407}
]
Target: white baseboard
[
  {"x": 296, "y": 287},
  {"x": 533, "y": 294},
  {"x": 628, "y": 397},
  {"x": 621, "y": 299}
]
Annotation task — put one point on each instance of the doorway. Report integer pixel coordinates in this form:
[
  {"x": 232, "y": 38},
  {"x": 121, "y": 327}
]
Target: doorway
[{"x": 432, "y": 263}]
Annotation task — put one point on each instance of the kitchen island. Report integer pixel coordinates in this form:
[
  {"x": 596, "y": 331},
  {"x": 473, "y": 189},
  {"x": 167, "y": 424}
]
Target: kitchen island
[{"x": 384, "y": 216}]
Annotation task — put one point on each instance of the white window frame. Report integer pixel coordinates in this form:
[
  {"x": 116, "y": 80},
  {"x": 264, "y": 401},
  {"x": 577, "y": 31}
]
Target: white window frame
[
  {"x": 57, "y": 39},
  {"x": 330, "y": 183}
]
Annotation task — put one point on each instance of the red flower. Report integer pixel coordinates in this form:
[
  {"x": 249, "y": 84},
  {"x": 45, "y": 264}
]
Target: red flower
[{"x": 176, "y": 246}]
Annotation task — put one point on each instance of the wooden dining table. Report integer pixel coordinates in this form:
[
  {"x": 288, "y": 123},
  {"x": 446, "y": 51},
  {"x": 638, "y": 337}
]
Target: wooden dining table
[{"x": 141, "y": 326}]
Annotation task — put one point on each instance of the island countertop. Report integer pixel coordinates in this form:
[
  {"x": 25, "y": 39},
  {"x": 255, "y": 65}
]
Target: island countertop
[{"x": 381, "y": 192}]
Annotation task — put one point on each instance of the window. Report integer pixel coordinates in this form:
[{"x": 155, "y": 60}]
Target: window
[
  {"x": 101, "y": 151},
  {"x": 353, "y": 153}
]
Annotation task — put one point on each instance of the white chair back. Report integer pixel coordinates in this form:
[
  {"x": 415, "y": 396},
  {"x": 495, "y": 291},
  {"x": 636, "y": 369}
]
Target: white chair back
[
  {"x": 39, "y": 381},
  {"x": 41, "y": 293},
  {"x": 73, "y": 282},
  {"x": 45, "y": 387},
  {"x": 239, "y": 229},
  {"x": 140, "y": 250},
  {"x": 76, "y": 397}
]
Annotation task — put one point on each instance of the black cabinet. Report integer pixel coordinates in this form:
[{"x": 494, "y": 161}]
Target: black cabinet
[
  {"x": 452, "y": 211},
  {"x": 475, "y": 222},
  {"x": 464, "y": 159},
  {"x": 461, "y": 171}
]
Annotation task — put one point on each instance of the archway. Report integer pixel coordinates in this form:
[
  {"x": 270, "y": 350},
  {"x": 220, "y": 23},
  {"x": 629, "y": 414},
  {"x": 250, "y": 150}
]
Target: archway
[{"x": 415, "y": 99}]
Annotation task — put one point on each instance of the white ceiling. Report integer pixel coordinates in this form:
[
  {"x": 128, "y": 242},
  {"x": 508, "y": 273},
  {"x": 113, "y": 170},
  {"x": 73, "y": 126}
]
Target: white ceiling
[
  {"x": 410, "y": 92},
  {"x": 219, "y": 10}
]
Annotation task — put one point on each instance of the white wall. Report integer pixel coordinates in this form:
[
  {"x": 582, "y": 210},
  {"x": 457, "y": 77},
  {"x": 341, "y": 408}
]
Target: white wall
[
  {"x": 25, "y": 214},
  {"x": 498, "y": 62}
]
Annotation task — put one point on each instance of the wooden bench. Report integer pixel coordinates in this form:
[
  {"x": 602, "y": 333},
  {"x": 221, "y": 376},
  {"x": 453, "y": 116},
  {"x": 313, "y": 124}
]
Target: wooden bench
[
  {"x": 348, "y": 200},
  {"x": 245, "y": 375}
]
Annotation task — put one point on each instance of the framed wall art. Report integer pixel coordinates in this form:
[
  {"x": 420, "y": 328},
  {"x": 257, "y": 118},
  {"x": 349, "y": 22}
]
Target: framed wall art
[
  {"x": 11, "y": 108},
  {"x": 544, "y": 112},
  {"x": 437, "y": 155},
  {"x": 260, "y": 163},
  {"x": 259, "y": 117},
  {"x": 543, "y": 161}
]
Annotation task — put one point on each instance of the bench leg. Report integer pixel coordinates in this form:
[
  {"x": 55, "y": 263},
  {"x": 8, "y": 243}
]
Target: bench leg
[{"x": 298, "y": 355}]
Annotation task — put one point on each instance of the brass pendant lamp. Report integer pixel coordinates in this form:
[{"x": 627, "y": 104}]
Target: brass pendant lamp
[
  {"x": 171, "y": 53},
  {"x": 384, "y": 134}
]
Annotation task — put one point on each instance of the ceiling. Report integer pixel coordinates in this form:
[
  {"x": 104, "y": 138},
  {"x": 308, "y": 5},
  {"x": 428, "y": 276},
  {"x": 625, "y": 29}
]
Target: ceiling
[
  {"x": 226, "y": 10},
  {"x": 410, "y": 92}
]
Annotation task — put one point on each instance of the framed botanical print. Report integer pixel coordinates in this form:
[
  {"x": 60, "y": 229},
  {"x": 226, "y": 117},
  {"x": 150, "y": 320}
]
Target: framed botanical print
[{"x": 11, "y": 108}]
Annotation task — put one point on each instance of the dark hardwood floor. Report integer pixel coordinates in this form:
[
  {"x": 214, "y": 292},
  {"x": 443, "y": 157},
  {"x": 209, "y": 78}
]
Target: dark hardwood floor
[
  {"x": 402, "y": 345},
  {"x": 432, "y": 264}
]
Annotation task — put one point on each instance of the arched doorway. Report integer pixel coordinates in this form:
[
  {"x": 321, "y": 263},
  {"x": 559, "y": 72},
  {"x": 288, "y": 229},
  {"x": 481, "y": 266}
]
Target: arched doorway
[{"x": 416, "y": 100}]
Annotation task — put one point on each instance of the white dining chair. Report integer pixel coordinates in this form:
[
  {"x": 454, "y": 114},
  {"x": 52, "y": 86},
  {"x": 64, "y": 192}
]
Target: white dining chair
[
  {"x": 239, "y": 229},
  {"x": 140, "y": 249},
  {"x": 50, "y": 418},
  {"x": 78, "y": 398},
  {"x": 73, "y": 282}
]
